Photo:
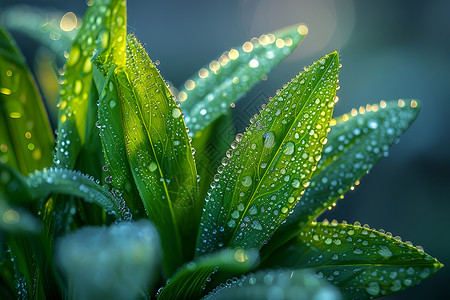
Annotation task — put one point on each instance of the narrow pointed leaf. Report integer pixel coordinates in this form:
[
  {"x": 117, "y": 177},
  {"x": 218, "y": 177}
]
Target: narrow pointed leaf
[
  {"x": 115, "y": 262},
  {"x": 62, "y": 181},
  {"x": 362, "y": 262},
  {"x": 99, "y": 26},
  {"x": 356, "y": 142},
  {"x": 26, "y": 139},
  {"x": 159, "y": 154},
  {"x": 272, "y": 163},
  {"x": 276, "y": 284},
  {"x": 189, "y": 282},
  {"x": 113, "y": 141},
  {"x": 110, "y": 118},
  {"x": 208, "y": 94}
]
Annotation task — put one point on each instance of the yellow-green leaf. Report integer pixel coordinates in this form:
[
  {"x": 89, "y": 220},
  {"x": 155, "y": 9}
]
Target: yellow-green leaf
[
  {"x": 102, "y": 21},
  {"x": 159, "y": 154},
  {"x": 209, "y": 93},
  {"x": 26, "y": 139}
]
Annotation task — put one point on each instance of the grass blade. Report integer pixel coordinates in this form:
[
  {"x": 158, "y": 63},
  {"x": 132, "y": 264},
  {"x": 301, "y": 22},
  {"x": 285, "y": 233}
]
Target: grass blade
[
  {"x": 271, "y": 164},
  {"x": 276, "y": 284},
  {"x": 362, "y": 262},
  {"x": 26, "y": 139},
  {"x": 208, "y": 95},
  {"x": 159, "y": 154},
  {"x": 62, "y": 181},
  {"x": 356, "y": 142},
  {"x": 190, "y": 281},
  {"x": 99, "y": 25}
]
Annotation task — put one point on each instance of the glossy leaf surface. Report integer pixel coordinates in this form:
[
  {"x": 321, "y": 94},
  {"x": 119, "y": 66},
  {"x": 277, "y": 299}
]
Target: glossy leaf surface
[
  {"x": 62, "y": 181},
  {"x": 159, "y": 154},
  {"x": 102, "y": 20},
  {"x": 276, "y": 284},
  {"x": 356, "y": 142},
  {"x": 270, "y": 165},
  {"x": 209, "y": 93},
  {"x": 362, "y": 262},
  {"x": 26, "y": 139},
  {"x": 189, "y": 282}
]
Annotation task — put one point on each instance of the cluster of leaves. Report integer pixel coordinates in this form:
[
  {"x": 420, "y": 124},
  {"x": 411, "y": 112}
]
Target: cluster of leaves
[{"x": 176, "y": 229}]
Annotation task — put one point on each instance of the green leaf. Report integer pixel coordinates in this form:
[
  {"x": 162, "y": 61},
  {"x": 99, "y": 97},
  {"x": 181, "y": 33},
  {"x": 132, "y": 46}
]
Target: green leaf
[
  {"x": 355, "y": 144},
  {"x": 276, "y": 284},
  {"x": 208, "y": 94},
  {"x": 26, "y": 139},
  {"x": 159, "y": 154},
  {"x": 110, "y": 120},
  {"x": 113, "y": 141},
  {"x": 362, "y": 262},
  {"x": 190, "y": 281},
  {"x": 271, "y": 164},
  {"x": 102, "y": 20},
  {"x": 119, "y": 260},
  {"x": 62, "y": 181}
]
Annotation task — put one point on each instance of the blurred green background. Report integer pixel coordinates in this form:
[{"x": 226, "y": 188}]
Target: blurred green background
[{"x": 389, "y": 50}]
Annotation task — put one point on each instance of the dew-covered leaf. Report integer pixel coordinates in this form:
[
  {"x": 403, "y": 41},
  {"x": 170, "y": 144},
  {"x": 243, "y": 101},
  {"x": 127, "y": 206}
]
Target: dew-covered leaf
[
  {"x": 115, "y": 262},
  {"x": 26, "y": 139},
  {"x": 62, "y": 181},
  {"x": 270, "y": 165},
  {"x": 189, "y": 282},
  {"x": 110, "y": 119},
  {"x": 356, "y": 142},
  {"x": 102, "y": 20},
  {"x": 276, "y": 284},
  {"x": 159, "y": 154},
  {"x": 113, "y": 141},
  {"x": 362, "y": 262},
  {"x": 210, "y": 92}
]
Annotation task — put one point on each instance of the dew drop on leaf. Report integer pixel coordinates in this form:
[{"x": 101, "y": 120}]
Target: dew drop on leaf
[
  {"x": 269, "y": 139},
  {"x": 247, "y": 180},
  {"x": 373, "y": 288}
]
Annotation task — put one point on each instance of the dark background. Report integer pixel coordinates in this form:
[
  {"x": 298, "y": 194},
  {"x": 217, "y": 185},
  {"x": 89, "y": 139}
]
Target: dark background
[{"x": 389, "y": 50}]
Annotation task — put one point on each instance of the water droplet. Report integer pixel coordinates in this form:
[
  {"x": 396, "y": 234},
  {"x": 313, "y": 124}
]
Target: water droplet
[
  {"x": 247, "y": 180},
  {"x": 256, "y": 225},
  {"x": 78, "y": 87},
  {"x": 153, "y": 166},
  {"x": 269, "y": 139},
  {"x": 296, "y": 183},
  {"x": 176, "y": 112},
  {"x": 290, "y": 147},
  {"x": 385, "y": 251},
  {"x": 373, "y": 288},
  {"x": 372, "y": 124}
]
